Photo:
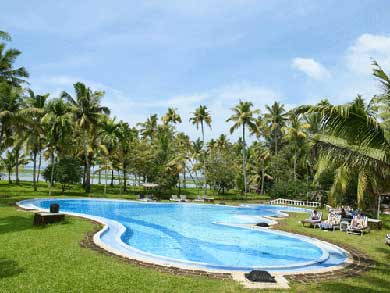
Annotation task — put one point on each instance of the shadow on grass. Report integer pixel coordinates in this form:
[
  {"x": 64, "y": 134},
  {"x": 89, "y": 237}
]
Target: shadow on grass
[
  {"x": 15, "y": 224},
  {"x": 9, "y": 268}
]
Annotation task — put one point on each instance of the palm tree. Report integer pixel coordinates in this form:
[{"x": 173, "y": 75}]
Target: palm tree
[
  {"x": 200, "y": 117},
  {"x": 243, "y": 116},
  {"x": 5, "y": 36},
  {"x": 87, "y": 113},
  {"x": 126, "y": 138},
  {"x": 57, "y": 123},
  {"x": 276, "y": 118},
  {"x": 296, "y": 135},
  {"x": 149, "y": 127},
  {"x": 34, "y": 139},
  {"x": 8, "y": 73},
  {"x": 171, "y": 117},
  {"x": 261, "y": 154},
  {"x": 108, "y": 133},
  {"x": 355, "y": 140}
]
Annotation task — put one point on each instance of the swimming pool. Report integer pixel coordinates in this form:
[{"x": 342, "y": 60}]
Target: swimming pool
[{"x": 211, "y": 237}]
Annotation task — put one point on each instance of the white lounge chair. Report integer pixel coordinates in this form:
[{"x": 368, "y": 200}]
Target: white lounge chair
[
  {"x": 199, "y": 198},
  {"x": 183, "y": 198},
  {"x": 174, "y": 198},
  {"x": 359, "y": 225},
  {"x": 315, "y": 220}
]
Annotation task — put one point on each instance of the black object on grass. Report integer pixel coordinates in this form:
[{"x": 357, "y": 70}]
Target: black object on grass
[
  {"x": 54, "y": 208},
  {"x": 260, "y": 276}
]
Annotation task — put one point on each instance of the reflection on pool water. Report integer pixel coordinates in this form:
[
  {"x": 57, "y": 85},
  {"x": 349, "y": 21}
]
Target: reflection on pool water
[{"x": 212, "y": 237}]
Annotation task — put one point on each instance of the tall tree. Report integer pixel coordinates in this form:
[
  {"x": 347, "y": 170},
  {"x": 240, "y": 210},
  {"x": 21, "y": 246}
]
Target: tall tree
[
  {"x": 201, "y": 116},
  {"x": 57, "y": 123},
  {"x": 171, "y": 116},
  {"x": 243, "y": 117},
  {"x": 87, "y": 110},
  {"x": 34, "y": 140},
  {"x": 276, "y": 117},
  {"x": 9, "y": 74}
]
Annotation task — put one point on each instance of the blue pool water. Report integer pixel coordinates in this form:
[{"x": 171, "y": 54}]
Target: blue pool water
[{"x": 198, "y": 235}]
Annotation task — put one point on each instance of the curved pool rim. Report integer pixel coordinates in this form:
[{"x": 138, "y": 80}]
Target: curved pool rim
[{"x": 147, "y": 257}]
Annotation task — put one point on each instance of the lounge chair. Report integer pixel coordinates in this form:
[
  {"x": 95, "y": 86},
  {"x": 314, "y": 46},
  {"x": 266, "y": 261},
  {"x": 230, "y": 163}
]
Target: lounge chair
[
  {"x": 315, "y": 220},
  {"x": 183, "y": 198},
  {"x": 174, "y": 198},
  {"x": 147, "y": 198},
  {"x": 199, "y": 198},
  {"x": 332, "y": 223},
  {"x": 358, "y": 225}
]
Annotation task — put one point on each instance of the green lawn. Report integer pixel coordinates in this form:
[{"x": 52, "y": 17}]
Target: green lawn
[{"x": 51, "y": 259}]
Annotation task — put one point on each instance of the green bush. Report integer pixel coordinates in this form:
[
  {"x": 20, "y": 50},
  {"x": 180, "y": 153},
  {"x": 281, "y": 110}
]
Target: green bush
[{"x": 67, "y": 171}]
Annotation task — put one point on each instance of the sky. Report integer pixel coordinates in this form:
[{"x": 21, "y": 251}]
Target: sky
[{"x": 151, "y": 55}]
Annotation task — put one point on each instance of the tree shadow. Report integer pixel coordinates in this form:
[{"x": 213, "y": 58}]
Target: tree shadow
[
  {"x": 15, "y": 224},
  {"x": 9, "y": 268}
]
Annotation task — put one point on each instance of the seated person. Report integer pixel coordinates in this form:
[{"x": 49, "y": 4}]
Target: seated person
[
  {"x": 315, "y": 216},
  {"x": 330, "y": 222},
  {"x": 357, "y": 222}
]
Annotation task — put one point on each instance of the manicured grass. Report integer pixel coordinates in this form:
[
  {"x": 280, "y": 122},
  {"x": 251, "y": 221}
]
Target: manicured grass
[{"x": 51, "y": 259}]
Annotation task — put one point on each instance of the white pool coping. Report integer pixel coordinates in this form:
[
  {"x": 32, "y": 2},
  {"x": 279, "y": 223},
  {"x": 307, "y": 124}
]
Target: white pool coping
[{"x": 139, "y": 255}]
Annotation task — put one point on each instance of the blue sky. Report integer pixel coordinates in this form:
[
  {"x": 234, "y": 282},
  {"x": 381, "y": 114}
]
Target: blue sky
[{"x": 148, "y": 55}]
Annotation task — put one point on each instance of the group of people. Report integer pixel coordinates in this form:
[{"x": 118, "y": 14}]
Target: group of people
[{"x": 343, "y": 214}]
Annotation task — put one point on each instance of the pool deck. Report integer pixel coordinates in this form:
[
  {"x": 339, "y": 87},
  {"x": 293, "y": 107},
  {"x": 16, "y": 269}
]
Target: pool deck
[{"x": 356, "y": 263}]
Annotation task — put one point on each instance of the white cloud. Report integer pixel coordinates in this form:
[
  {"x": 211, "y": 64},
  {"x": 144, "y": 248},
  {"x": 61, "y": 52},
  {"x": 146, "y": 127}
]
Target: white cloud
[
  {"x": 367, "y": 47},
  {"x": 311, "y": 68}
]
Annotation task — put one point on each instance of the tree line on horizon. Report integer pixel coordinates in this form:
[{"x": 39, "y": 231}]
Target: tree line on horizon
[{"x": 338, "y": 151}]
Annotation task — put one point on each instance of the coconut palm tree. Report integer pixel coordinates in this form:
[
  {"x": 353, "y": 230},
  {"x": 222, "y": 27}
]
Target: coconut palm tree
[
  {"x": 171, "y": 117},
  {"x": 34, "y": 140},
  {"x": 108, "y": 133},
  {"x": 295, "y": 134},
  {"x": 57, "y": 122},
  {"x": 201, "y": 116},
  {"x": 243, "y": 117},
  {"x": 5, "y": 36},
  {"x": 356, "y": 142},
  {"x": 276, "y": 117},
  {"x": 87, "y": 110},
  {"x": 148, "y": 128},
  {"x": 8, "y": 73}
]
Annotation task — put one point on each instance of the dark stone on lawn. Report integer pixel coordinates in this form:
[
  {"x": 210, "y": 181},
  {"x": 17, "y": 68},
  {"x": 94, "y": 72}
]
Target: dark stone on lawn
[
  {"x": 260, "y": 276},
  {"x": 262, "y": 224},
  {"x": 222, "y": 203},
  {"x": 54, "y": 208}
]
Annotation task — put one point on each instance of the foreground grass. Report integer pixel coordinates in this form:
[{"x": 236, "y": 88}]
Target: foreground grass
[{"x": 51, "y": 259}]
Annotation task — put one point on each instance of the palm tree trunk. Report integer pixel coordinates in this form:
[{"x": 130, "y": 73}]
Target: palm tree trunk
[
  {"x": 112, "y": 175},
  {"x": 52, "y": 173},
  {"x": 295, "y": 166},
  {"x": 35, "y": 170},
  {"x": 88, "y": 173},
  {"x": 9, "y": 176},
  {"x": 262, "y": 178},
  {"x": 100, "y": 176},
  {"x": 244, "y": 157},
  {"x": 17, "y": 151},
  {"x": 39, "y": 165},
  {"x": 124, "y": 177},
  {"x": 204, "y": 160},
  {"x": 276, "y": 139},
  {"x": 105, "y": 178}
]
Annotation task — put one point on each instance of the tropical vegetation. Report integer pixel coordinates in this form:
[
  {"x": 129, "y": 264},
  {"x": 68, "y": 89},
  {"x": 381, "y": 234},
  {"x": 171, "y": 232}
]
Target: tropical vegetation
[{"x": 338, "y": 154}]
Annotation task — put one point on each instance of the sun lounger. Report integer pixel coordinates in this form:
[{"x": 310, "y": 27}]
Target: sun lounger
[
  {"x": 332, "y": 223},
  {"x": 314, "y": 220},
  {"x": 358, "y": 225},
  {"x": 146, "y": 198},
  {"x": 174, "y": 198},
  {"x": 199, "y": 198},
  {"x": 183, "y": 198}
]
